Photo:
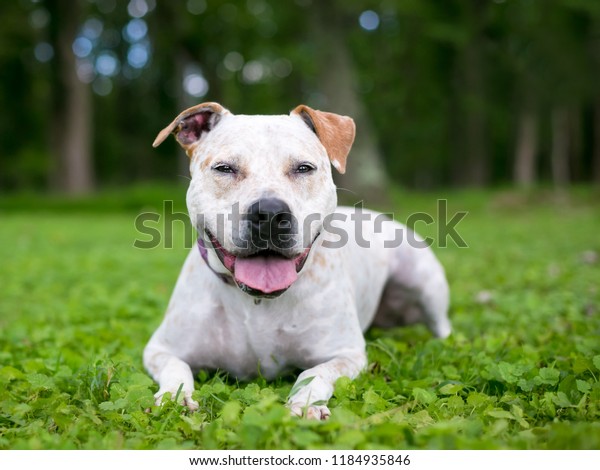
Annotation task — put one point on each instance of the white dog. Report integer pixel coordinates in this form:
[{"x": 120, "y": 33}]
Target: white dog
[{"x": 281, "y": 277}]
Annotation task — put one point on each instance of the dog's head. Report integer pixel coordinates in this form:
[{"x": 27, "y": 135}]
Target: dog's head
[{"x": 261, "y": 187}]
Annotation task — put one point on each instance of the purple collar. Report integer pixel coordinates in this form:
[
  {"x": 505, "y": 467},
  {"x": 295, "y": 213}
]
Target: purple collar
[{"x": 204, "y": 253}]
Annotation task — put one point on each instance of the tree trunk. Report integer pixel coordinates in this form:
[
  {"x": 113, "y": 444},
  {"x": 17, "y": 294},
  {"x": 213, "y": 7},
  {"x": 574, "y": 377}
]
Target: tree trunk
[
  {"x": 477, "y": 158},
  {"x": 576, "y": 144},
  {"x": 72, "y": 107},
  {"x": 526, "y": 149},
  {"x": 560, "y": 146},
  {"x": 596, "y": 156},
  {"x": 594, "y": 47},
  {"x": 365, "y": 174},
  {"x": 77, "y": 152}
]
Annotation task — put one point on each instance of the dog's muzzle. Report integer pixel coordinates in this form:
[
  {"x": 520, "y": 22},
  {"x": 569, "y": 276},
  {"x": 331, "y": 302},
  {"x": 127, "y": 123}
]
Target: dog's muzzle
[{"x": 268, "y": 264}]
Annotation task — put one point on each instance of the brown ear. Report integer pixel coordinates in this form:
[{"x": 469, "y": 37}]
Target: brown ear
[
  {"x": 191, "y": 124},
  {"x": 335, "y": 132}
]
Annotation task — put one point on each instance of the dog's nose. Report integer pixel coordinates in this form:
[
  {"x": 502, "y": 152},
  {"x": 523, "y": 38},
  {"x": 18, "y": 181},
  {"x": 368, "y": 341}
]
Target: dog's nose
[{"x": 271, "y": 222}]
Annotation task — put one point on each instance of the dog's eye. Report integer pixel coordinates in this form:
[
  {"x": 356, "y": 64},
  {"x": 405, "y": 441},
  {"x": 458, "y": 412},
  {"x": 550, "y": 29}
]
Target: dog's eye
[
  {"x": 224, "y": 168},
  {"x": 304, "y": 168}
]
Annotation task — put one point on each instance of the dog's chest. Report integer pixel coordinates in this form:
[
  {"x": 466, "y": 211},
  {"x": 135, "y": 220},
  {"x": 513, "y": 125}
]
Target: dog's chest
[{"x": 264, "y": 342}]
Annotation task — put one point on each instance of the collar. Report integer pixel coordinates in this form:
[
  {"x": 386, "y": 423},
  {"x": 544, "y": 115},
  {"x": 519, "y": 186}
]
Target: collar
[{"x": 204, "y": 253}]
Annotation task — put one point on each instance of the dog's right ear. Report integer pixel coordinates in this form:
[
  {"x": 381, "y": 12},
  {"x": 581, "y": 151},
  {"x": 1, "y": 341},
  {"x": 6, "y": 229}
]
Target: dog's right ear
[
  {"x": 335, "y": 132},
  {"x": 191, "y": 124}
]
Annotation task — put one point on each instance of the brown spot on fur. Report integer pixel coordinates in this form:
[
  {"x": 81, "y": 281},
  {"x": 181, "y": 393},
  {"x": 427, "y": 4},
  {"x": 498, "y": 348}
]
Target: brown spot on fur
[
  {"x": 320, "y": 260},
  {"x": 224, "y": 185},
  {"x": 190, "y": 149},
  {"x": 310, "y": 274},
  {"x": 191, "y": 268},
  {"x": 204, "y": 163}
]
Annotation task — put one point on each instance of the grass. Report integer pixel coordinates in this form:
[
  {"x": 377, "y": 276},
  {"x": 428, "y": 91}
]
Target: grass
[{"x": 521, "y": 370}]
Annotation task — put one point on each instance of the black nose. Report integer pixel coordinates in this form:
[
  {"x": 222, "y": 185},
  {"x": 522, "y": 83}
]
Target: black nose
[{"x": 271, "y": 223}]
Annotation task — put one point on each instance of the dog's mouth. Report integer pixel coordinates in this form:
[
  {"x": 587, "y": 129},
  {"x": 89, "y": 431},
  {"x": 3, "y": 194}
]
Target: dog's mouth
[{"x": 266, "y": 273}]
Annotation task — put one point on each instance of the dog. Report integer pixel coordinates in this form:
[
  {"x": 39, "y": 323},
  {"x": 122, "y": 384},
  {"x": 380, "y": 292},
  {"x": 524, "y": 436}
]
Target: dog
[{"x": 282, "y": 278}]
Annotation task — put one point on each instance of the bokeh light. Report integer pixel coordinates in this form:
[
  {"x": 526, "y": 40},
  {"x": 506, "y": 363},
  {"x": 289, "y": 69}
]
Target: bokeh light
[
  {"x": 43, "y": 52},
  {"x": 369, "y": 20},
  {"x": 138, "y": 55},
  {"x": 107, "y": 64},
  {"x": 135, "y": 30},
  {"x": 82, "y": 47},
  {"x": 196, "y": 7}
]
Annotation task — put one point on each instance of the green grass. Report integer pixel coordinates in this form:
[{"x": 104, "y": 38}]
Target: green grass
[{"x": 521, "y": 370}]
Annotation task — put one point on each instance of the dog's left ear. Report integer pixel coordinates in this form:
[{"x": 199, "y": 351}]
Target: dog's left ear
[
  {"x": 191, "y": 125},
  {"x": 335, "y": 132}
]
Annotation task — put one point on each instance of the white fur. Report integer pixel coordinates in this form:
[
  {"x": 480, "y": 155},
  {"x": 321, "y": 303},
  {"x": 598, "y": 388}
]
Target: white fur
[{"x": 318, "y": 323}]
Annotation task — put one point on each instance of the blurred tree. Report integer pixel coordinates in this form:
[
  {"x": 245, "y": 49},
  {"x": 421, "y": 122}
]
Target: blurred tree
[
  {"x": 404, "y": 54},
  {"x": 594, "y": 48},
  {"x": 71, "y": 117},
  {"x": 336, "y": 81},
  {"x": 523, "y": 19},
  {"x": 23, "y": 160},
  {"x": 472, "y": 87},
  {"x": 596, "y": 148},
  {"x": 568, "y": 83},
  {"x": 561, "y": 145},
  {"x": 526, "y": 147}
]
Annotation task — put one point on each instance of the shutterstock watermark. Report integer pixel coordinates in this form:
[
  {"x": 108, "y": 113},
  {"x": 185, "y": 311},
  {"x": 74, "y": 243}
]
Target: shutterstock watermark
[{"x": 261, "y": 230}]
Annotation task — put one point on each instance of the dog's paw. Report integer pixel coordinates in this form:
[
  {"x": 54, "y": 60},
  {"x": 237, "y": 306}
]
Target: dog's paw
[
  {"x": 318, "y": 412},
  {"x": 441, "y": 328},
  {"x": 183, "y": 397}
]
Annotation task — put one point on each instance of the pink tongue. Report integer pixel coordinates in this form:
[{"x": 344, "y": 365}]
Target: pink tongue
[{"x": 266, "y": 273}]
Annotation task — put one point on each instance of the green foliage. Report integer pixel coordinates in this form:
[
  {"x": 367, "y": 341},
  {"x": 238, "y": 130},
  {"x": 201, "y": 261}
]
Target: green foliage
[
  {"x": 520, "y": 370},
  {"x": 434, "y": 78}
]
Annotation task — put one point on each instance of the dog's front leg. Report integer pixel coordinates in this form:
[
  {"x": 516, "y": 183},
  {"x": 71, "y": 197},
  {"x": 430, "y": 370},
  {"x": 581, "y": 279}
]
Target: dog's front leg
[
  {"x": 172, "y": 374},
  {"x": 314, "y": 386}
]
